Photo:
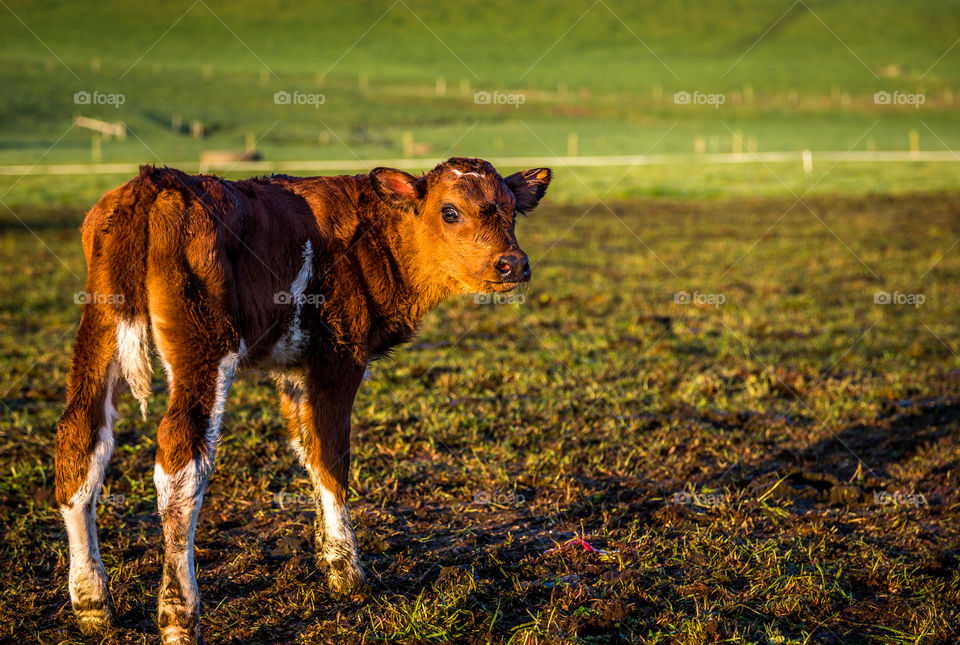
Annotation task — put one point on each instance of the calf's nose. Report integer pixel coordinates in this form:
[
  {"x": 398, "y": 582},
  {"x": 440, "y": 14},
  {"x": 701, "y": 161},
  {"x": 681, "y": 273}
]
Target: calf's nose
[{"x": 513, "y": 267}]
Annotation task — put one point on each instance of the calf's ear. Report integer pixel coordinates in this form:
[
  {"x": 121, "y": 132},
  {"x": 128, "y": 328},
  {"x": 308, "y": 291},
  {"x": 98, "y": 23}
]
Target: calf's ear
[
  {"x": 395, "y": 186},
  {"x": 529, "y": 186}
]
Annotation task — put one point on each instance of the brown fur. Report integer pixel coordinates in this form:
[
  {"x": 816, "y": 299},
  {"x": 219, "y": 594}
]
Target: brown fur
[{"x": 200, "y": 261}]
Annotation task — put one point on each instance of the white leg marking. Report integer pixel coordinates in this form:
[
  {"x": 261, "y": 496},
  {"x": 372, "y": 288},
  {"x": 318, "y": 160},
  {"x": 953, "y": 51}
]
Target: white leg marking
[
  {"x": 336, "y": 518},
  {"x": 338, "y": 544},
  {"x": 189, "y": 483},
  {"x": 335, "y": 539},
  {"x": 133, "y": 352},
  {"x": 180, "y": 488},
  {"x": 179, "y": 497},
  {"x": 88, "y": 580}
]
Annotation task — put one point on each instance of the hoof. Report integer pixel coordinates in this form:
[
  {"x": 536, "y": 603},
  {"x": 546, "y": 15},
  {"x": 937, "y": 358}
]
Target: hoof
[
  {"x": 176, "y": 635},
  {"x": 345, "y": 579},
  {"x": 97, "y": 621}
]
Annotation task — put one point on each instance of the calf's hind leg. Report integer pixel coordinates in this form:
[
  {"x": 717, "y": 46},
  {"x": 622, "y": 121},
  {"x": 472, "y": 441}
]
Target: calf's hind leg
[
  {"x": 186, "y": 440},
  {"x": 84, "y": 445}
]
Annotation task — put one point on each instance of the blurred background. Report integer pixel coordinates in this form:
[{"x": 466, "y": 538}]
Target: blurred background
[{"x": 696, "y": 89}]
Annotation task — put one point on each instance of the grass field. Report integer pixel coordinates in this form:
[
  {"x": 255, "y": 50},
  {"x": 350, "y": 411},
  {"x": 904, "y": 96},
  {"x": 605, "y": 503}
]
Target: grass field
[{"x": 779, "y": 467}]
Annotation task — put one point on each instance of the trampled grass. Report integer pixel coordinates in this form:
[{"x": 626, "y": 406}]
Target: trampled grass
[{"x": 773, "y": 462}]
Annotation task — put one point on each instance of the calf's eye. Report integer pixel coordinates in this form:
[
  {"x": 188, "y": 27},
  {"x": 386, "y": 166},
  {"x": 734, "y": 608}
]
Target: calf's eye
[{"x": 450, "y": 215}]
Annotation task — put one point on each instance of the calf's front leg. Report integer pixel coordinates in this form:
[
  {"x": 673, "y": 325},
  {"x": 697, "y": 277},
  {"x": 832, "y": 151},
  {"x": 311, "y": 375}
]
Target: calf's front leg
[{"x": 318, "y": 408}]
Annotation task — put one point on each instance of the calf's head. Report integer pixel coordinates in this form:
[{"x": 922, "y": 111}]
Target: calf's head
[{"x": 461, "y": 217}]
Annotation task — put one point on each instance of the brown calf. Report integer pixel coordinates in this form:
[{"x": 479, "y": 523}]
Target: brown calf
[{"x": 311, "y": 278}]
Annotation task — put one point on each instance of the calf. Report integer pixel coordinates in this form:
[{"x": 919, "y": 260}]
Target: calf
[{"x": 311, "y": 278}]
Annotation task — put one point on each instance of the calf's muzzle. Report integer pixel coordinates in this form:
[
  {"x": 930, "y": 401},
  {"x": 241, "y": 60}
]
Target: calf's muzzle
[{"x": 513, "y": 267}]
